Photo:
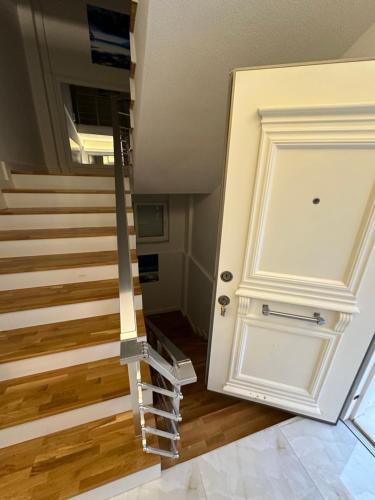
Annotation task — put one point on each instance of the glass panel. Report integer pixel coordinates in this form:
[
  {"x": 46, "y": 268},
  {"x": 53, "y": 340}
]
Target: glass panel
[{"x": 148, "y": 268}]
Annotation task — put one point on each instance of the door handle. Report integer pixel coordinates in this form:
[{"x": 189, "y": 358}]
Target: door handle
[{"x": 316, "y": 318}]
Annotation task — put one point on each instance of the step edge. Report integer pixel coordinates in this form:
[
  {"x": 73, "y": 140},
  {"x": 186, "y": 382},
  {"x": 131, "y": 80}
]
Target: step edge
[
  {"x": 122, "y": 485},
  {"x": 65, "y": 348},
  {"x": 78, "y": 300},
  {"x": 39, "y": 427}
]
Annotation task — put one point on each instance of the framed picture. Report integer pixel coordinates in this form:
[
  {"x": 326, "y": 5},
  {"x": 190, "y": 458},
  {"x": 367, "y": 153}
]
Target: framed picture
[{"x": 109, "y": 37}]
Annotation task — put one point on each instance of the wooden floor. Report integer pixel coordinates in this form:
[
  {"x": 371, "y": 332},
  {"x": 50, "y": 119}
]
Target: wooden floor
[
  {"x": 66, "y": 463},
  {"x": 209, "y": 419}
]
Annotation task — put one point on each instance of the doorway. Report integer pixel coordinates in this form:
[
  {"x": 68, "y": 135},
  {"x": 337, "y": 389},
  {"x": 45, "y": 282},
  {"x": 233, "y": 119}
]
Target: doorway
[
  {"x": 88, "y": 141},
  {"x": 359, "y": 411}
]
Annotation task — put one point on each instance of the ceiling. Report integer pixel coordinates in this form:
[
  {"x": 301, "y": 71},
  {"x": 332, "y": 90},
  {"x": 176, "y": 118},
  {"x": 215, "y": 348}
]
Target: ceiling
[{"x": 185, "y": 52}]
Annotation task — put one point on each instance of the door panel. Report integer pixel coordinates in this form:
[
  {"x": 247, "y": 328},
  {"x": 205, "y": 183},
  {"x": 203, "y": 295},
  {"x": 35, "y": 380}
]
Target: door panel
[
  {"x": 306, "y": 187},
  {"x": 298, "y": 236}
]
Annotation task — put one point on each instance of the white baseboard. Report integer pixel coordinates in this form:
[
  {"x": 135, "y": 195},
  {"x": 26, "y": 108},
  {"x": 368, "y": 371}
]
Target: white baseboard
[{"x": 195, "y": 328}]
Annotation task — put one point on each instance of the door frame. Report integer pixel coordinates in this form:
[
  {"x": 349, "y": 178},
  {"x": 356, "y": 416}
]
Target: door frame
[{"x": 357, "y": 393}]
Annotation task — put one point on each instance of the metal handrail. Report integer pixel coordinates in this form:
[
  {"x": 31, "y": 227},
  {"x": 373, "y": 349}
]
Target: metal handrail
[
  {"x": 178, "y": 373},
  {"x": 127, "y": 312},
  {"x": 128, "y": 328},
  {"x": 174, "y": 352}
]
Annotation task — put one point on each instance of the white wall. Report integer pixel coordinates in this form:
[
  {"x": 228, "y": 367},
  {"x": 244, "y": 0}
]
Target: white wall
[
  {"x": 57, "y": 44},
  {"x": 201, "y": 259},
  {"x": 364, "y": 46},
  {"x": 19, "y": 137},
  {"x": 167, "y": 293}
]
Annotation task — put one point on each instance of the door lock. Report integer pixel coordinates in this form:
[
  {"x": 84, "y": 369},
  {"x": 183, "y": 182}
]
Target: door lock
[
  {"x": 226, "y": 276},
  {"x": 224, "y": 301}
]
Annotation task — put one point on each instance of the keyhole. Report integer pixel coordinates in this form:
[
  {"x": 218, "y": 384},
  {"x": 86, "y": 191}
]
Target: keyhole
[{"x": 316, "y": 201}]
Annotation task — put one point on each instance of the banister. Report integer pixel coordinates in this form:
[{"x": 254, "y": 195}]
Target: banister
[
  {"x": 128, "y": 328},
  {"x": 127, "y": 313},
  {"x": 178, "y": 369}
]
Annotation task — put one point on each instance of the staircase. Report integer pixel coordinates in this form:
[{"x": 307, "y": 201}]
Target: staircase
[{"x": 66, "y": 423}]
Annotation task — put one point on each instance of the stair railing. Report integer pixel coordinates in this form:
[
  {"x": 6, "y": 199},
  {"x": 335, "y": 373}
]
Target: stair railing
[
  {"x": 171, "y": 369},
  {"x": 128, "y": 323}
]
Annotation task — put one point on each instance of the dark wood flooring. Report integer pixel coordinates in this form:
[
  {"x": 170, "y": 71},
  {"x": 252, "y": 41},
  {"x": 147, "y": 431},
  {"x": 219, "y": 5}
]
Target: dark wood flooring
[{"x": 209, "y": 419}]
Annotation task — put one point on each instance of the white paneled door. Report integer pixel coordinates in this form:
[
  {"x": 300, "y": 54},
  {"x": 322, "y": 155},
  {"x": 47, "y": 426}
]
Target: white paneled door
[{"x": 297, "y": 236}]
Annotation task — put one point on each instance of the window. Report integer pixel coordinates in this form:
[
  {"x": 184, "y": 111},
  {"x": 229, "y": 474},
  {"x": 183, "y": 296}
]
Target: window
[
  {"x": 152, "y": 221},
  {"x": 148, "y": 268},
  {"x": 108, "y": 160}
]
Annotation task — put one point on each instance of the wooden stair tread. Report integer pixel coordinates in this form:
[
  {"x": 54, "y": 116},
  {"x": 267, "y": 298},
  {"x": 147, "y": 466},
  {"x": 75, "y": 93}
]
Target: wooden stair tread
[
  {"x": 106, "y": 173},
  {"x": 34, "y": 263},
  {"x": 74, "y": 232},
  {"x": 57, "y": 295},
  {"x": 59, "y": 210},
  {"x": 33, "y": 341},
  {"x": 44, "y": 394},
  {"x": 69, "y": 462},
  {"x": 59, "y": 191}
]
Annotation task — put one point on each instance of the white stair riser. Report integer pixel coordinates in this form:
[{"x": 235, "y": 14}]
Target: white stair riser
[
  {"x": 32, "y": 200},
  {"x": 58, "y": 360},
  {"x": 21, "y": 248},
  {"x": 60, "y": 276},
  {"x": 56, "y": 314},
  {"x": 64, "y": 182},
  {"x": 48, "y": 221},
  {"x": 65, "y": 420},
  {"x": 122, "y": 485}
]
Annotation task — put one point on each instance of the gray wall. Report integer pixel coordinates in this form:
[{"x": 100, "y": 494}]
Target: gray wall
[
  {"x": 167, "y": 293},
  {"x": 19, "y": 135},
  {"x": 201, "y": 259},
  {"x": 364, "y": 46}
]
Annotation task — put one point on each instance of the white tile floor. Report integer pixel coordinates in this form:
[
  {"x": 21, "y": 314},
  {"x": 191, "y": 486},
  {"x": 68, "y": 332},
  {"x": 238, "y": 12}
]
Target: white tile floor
[{"x": 297, "y": 459}]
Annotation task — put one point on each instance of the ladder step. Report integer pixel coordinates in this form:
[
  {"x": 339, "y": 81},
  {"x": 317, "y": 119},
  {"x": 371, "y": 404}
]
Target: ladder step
[
  {"x": 160, "y": 390},
  {"x": 162, "y": 453},
  {"x": 161, "y": 413},
  {"x": 159, "y": 432}
]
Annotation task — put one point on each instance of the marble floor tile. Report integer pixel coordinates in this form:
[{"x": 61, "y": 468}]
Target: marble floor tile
[
  {"x": 182, "y": 482},
  {"x": 261, "y": 466},
  {"x": 341, "y": 467}
]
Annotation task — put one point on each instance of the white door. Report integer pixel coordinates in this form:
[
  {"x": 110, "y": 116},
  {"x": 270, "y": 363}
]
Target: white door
[{"x": 297, "y": 235}]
